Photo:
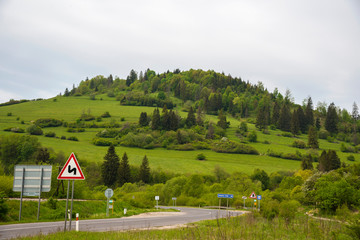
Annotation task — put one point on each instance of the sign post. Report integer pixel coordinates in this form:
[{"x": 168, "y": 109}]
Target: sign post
[
  {"x": 227, "y": 196},
  {"x": 70, "y": 171},
  {"x": 108, "y": 194},
  {"x": 157, "y": 201},
  {"x": 32, "y": 180},
  {"x": 244, "y": 200},
  {"x": 259, "y": 197},
  {"x": 174, "y": 201}
]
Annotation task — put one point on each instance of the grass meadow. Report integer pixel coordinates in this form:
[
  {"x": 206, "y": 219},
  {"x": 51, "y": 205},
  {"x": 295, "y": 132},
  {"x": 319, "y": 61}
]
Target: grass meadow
[{"x": 70, "y": 108}]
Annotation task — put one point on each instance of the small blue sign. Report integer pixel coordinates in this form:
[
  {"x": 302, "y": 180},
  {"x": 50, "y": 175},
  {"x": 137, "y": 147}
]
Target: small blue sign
[
  {"x": 259, "y": 197},
  {"x": 225, "y": 195}
]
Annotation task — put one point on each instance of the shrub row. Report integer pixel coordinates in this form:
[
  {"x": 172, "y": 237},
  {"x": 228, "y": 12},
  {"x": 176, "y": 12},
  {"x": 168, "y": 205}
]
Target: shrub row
[{"x": 233, "y": 147}]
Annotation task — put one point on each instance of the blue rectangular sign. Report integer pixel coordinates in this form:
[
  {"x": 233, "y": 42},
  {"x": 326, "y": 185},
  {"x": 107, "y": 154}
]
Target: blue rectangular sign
[
  {"x": 259, "y": 197},
  {"x": 225, "y": 195}
]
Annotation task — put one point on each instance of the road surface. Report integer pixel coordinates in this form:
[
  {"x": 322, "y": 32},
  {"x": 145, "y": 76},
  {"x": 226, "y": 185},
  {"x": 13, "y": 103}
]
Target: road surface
[{"x": 142, "y": 221}]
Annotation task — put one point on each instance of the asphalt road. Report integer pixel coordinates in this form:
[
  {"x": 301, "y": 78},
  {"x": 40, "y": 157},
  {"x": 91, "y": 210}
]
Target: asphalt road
[{"x": 186, "y": 215}]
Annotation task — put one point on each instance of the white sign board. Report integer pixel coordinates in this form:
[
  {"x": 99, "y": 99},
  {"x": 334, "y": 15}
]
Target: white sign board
[
  {"x": 32, "y": 178},
  {"x": 157, "y": 198}
]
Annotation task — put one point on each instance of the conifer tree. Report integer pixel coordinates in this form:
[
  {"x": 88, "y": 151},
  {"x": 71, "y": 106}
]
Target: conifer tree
[
  {"x": 285, "y": 118},
  {"x": 309, "y": 114},
  {"x": 331, "y": 120},
  {"x": 294, "y": 124},
  {"x": 165, "y": 119},
  {"x": 173, "y": 121},
  {"x": 109, "y": 168},
  {"x": 318, "y": 124},
  {"x": 144, "y": 173},
  {"x": 124, "y": 170},
  {"x": 222, "y": 120},
  {"x": 329, "y": 161},
  {"x": 199, "y": 117},
  {"x": 302, "y": 120},
  {"x": 155, "y": 121},
  {"x": 190, "y": 120},
  {"x": 275, "y": 114},
  {"x": 313, "y": 138},
  {"x": 143, "y": 120},
  {"x": 306, "y": 163}
]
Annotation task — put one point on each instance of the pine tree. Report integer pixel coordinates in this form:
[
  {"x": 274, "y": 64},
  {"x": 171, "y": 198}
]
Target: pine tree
[
  {"x": 323, "y": 162},
  {"x": 334, "y": 160},
  {"x": 263, "y": 113},
  {"x": 306, "y": 163},
  {"x": 318, "y": 124},
  {"x": 222, "y": 120},
  {"x": 173, "y": 121},
  {"x": 143, "y": 120},
  {"x": 165, "y": 119},
  {"x": 294, "y": 124},
  {"x": 144, "y": 173},
  {"x": 211, "y": 132},
  {"x": 124, "y": 170},
  {"x": 190, "y": 120},
  {"x": 302, "y": 120},
  {"x": 66, "y": 93},
  {"x": 275, "y": 114},
  {"x": 155, "y": 121},
  {"x": 109, "y": 168},
  {"x": 199, "y": 117},
  {"x": 313, "y": 138},
  {"x": 309, "y": 114},
  {"x": 285, "y": 118},
  {"x": 355, "y": 112},
  {"x": 332, "y": 119},
  {"x": 329, "y": 161}
]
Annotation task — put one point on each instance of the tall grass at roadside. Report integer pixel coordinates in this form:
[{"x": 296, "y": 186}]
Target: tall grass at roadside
[{"x": 244, "y": 227}]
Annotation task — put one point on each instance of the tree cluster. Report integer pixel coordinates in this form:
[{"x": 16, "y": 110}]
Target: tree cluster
[{"x": 116, "y": 172}]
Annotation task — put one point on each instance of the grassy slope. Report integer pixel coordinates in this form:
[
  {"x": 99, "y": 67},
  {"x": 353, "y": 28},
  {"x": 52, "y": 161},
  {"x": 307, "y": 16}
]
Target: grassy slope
[{"x": 70, "y": 108}]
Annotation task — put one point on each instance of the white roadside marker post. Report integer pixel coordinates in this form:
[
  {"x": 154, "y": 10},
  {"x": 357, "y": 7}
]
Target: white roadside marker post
[{"x": 77, "y": 222}]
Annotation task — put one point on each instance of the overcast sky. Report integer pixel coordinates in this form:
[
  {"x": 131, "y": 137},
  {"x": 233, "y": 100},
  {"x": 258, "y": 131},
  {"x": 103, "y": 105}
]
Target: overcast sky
[{"x": 311, "y": 47}]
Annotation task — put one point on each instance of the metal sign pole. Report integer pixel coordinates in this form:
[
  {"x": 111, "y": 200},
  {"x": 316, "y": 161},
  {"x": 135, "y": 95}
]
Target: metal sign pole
[
  {"x": 67, "y": 202},
  {"x": 40, "y": 190},
  {"x": 22, "y": 191},
  {"x": 72, "y": 199},
  {"x": 107, "y": 207}
]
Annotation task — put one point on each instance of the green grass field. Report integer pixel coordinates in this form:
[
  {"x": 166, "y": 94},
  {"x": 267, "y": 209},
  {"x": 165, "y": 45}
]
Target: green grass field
[{"x": 70, "y": 108}]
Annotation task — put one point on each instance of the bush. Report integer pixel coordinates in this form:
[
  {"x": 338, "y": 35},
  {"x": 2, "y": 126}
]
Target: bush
[
  {"x": 252, "y": 137},
  {"x": 233, "y": 147},
  {"x": 63, "y": 138},
  {"x": 201, "y": 156},
  {"x": 351, "y": 158},
  {"x": 299, "y": 144},
  {"x": 34, "y": 130},
  {"x": 323, "y": 134},
  {"x": 98, "y": 119},
  {"x": 48, "y": 122},
  {"x": 102, "y": 142},
  {"x": 73, "y": 138},
  {"x": 108, "y": 133},
  {"x": 287, "y": 134},
  {"x": 50, "y": 134},
  {"x": 106, "y": 115},
  {"x": 9, "y": 114},
  {"x": 4, "y": 209}
]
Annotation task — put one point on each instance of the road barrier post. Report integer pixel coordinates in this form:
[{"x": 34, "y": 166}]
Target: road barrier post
[{"x": 77, "y": 222}]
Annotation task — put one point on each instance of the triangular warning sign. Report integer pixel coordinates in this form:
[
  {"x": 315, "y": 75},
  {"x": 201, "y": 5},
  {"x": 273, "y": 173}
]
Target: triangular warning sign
[
  {"x": 253, "y": 195},
  {"x": 71, "y": 170}
]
